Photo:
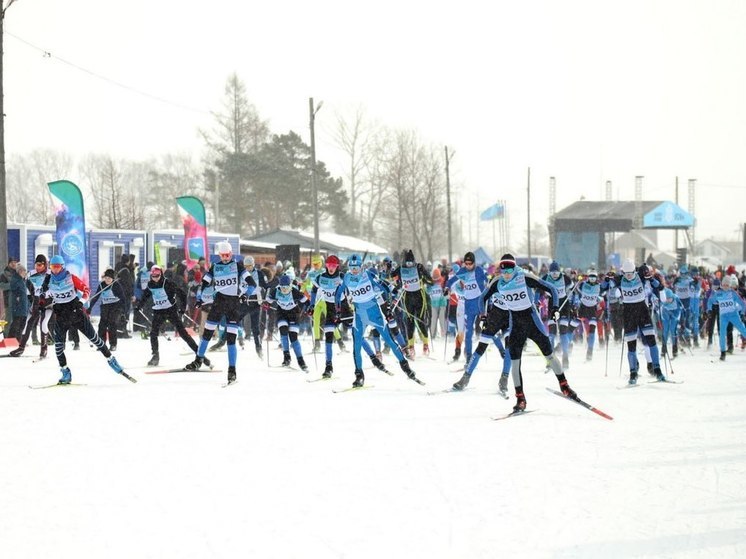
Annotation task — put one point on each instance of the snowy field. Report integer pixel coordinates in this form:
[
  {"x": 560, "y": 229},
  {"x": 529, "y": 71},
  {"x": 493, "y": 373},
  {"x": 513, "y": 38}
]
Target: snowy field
[{"x": 275, "y": 467}]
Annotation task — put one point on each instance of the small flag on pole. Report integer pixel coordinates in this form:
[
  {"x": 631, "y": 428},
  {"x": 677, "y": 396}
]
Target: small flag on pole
[{"x": 493, "y": 212}]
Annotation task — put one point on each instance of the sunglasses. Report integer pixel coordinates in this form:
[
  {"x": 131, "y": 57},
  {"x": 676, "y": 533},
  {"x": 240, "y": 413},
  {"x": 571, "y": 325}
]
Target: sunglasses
[
  {"x": 507, "y": 271},
  {"x": 468, "y": 263},
  {"x": 225, "y": 255},
  {"x": 55, "y": 267}
]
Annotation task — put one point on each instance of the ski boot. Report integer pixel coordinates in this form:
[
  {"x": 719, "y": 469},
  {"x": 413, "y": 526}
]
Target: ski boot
[
  {"x": 520, "y": 402},
  {"x": 404, "y": 364},
  {"x": 462, "y": 383},
  {"x": 286, "y": 359},
  {"x": 112, "y": 348},
  {"x": 66, "y": 376},
  {"x": 377, "y": 363},
  {"x": 194, "y": 365},
  {"x": 207, "y": 362},
  {"x": 359, "y": 379},
  {"x": 260, "y": 353},
  {"x": 154, "y": 360},
  {"x": 43, "y": 351},
  {"x": 456, "y": 354},
  {"x": 589, "y": 355},
  {"x": 231, "y": 374},
  {"x": 567, "y": 392},
  {"x": 650, "y": 369},
  {"x": 328, "y": 370},
  {"x": 722, "y": 356},
  {"x": 503, "y": 385},
  {"x": 240, "y": 343},
  {"x": 17, "y": 352},
  {"x": 659, "y": 376},
  {"x": 632, "y": 377},
  {"x": 114, "y": 364},
  {"x": 341, "y": 345},
  {"x": 316, "y": 346},
  {"x": 302, "y": 364},
  {"x": 217, "y": 345},
  {"x": 425, "y": 349},
  {"x": 76, "y": 346}
]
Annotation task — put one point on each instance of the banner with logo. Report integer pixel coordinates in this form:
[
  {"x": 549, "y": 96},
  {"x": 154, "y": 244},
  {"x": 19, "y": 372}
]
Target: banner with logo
[
  {"x": 193, "y": 215},
  {"x": 69, "y": 217}
]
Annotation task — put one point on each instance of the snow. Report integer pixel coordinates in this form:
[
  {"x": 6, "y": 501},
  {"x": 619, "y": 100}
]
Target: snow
[{"x": 275, "y": 467}]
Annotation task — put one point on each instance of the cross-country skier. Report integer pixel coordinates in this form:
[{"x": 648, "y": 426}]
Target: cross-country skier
[
  {"x": 412, "y": 277},
  {"x": 472, "y": 280},
  {"x": 364, "y": 290},
  {"x": 63, "y": 288},
  {"x": 289, "y": 300},
  {"x": 730, "y": 305},
  {"x": 227, "y": 276},
  {"x": 38, "y": 315},
  {"x": 324, "y": 293},
  {"x": 111, "y": 295},
  {"x": 516, "y": 287},
  {"x": 168, "y": 303}
]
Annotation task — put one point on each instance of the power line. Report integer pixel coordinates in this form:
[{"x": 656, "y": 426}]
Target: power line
[{"x": 48, "y": 54}]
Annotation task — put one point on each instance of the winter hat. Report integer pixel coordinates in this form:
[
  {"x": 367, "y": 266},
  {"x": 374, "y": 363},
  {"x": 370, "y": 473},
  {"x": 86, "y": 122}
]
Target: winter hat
[
  {"x": 554, "y": 266},
  {"x": 469, "y": 257},
  {"x": 40, "y": 259},
  {"x": 109, "y": 273},
  {"x": 507, "y": 260},
  {"x": 408, "y": 256}
]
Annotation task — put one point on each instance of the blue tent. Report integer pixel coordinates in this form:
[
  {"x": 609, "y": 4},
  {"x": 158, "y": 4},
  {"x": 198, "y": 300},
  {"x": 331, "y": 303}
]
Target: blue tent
[{"x": 482, "y": 257}]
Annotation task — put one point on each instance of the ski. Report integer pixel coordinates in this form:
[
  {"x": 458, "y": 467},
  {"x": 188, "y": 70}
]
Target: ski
[
  {"x": 418, "y": 381},
  {"x": 319, "y": 379},
  {"x": 384, "y": 370},
  {"x": 667, "y": 381},
  {"x": 129, "y": 378},
  {"x": 15, "y": 356},
  {"x": 288, "y": 367},
  {"x": 628, "y": 385},
  {"x": 581, "y": 403},
  {"x": 444, "y": 391},
  {"x": 181, "y": 370},
  {"x": 56, "y": 384},
  {"x": 229, "y": 383},
  {"x": 351, "y": 388},
  {"x": 512, "y": 414}
]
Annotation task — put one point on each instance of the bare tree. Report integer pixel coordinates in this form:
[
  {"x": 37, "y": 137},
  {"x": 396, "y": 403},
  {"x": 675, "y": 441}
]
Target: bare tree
[
  {"x": 28, "y": 175},
  {"x": 354, "y": 137},
  {"x": 115, "y": 190}
]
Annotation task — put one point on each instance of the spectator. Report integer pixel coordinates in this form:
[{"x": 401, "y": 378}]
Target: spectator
[{"x": 19, "y": 302}]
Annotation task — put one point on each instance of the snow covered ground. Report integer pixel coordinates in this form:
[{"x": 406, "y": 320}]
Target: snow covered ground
[{"x": 275, "y": 467}]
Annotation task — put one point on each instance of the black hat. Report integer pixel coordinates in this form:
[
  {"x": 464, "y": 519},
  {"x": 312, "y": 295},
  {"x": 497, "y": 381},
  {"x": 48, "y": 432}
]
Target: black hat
[
  {"x": 109, "y": 273},
  {"x": 408, "y": 256},
  {"x": 40, "y": 258},
  {"x": 12, "y": 259},
  {"x": 469, "y": 257}
]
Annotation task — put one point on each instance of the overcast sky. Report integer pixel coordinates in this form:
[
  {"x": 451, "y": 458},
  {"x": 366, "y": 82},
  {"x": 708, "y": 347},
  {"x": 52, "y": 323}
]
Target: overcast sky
[{"x": 583, "y": 91}]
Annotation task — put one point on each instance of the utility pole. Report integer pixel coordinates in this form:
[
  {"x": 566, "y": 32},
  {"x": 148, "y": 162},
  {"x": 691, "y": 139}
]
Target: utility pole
[
  {"x": 528, "y": 213},
  {"x": 448, "y": 203},
  {"x": 3, "y": 197},
  {"x": 314, "y": 188}
]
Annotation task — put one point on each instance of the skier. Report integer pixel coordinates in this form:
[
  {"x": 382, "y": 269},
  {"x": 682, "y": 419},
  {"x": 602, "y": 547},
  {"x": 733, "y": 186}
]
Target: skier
[
  {"x": 683, "y": 286},
  {"x": 730, "y": 305},
  {"x": 671, "y": 310},
  {"x": 412, "y": 278},
  {"x": 324, "y": 293},
  {"x": 637, "y": 318},
  {"x": 289, "y": 300},
  {"x": 111, "y": 295},
  {"x": 168, "y": 301},
  {"x": 253, "y": 305},
  {"x": 472, "y": 280},
  {"x": 565, "y": 287},
  {"x": 495, "y": 318},
  {"x": 228, "y": 277},
  {"x": 61, "y": 288},
  {"x": 364, "y": 289},
  {"x": 38, "y": 315},
  {"x": 589, "y": 291},
  {"x": 516, "y": 287}
]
